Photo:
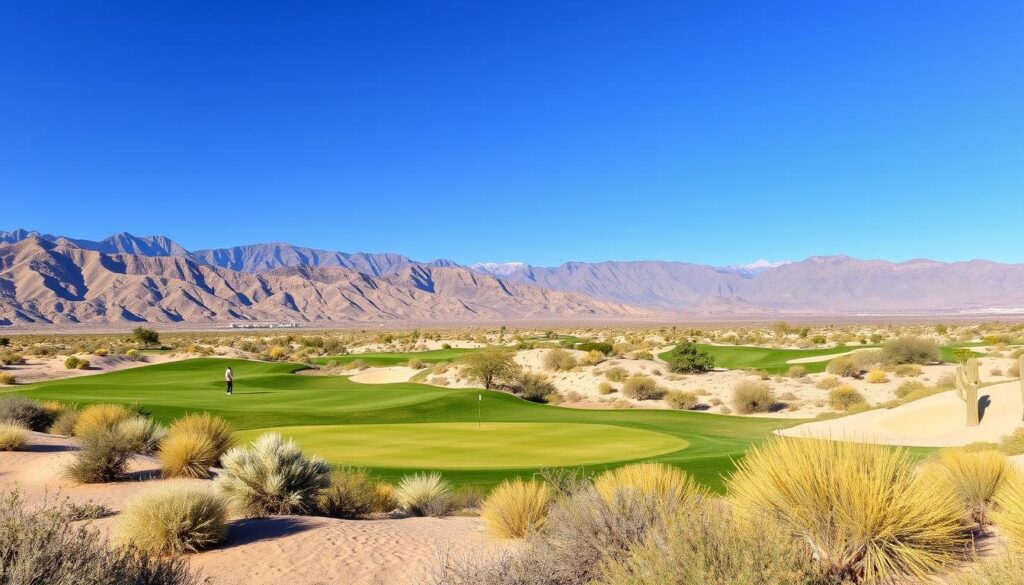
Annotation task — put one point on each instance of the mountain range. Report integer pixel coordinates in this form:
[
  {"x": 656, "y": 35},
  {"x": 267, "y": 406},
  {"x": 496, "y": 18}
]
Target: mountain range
[{"x": 47, "y": 279}]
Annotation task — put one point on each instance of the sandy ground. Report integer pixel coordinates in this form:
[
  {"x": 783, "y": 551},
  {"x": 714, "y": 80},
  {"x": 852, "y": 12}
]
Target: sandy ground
[
  {"x": 294, "y": 549},
  {"x": 935, "y": 421},
  {"x": 389, "y": 375}
]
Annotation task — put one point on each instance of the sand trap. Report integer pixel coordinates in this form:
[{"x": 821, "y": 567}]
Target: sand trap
[
  {"x": 390, "y": 375},
  {"x": 935, "y": 421},
  {"x": 818, "y": 358},
  {"x": 297, "y": 550}
]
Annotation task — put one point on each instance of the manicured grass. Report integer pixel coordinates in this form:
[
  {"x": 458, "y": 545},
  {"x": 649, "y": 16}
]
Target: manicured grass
[
  {"x": 382, "y": 359},
  {"x": 468, "y": 445},
  {"x": 269, "y": 395}
]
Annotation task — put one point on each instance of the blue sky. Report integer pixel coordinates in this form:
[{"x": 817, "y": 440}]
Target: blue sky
[{"x": 707, "y": 131}]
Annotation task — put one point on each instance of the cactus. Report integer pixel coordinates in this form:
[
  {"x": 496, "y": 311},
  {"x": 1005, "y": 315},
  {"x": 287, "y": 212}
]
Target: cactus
[{"x": 967, "y": 383}]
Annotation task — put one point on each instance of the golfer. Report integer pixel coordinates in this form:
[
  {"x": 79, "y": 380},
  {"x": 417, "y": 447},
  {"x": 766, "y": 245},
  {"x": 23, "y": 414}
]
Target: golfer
[{"x": 229, "y": 380}]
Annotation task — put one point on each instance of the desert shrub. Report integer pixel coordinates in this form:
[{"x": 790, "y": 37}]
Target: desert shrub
[
  {"x": 867, "y": 359},
  {"x": 705, "y": 545},
  {"x": 145, "y": 336},
  {"x": 8, "y": 379},
  {"x": 516, "y": 507},
  {"x": 467, "y": 497},
  {"x": 219, "y": 431},
  {"x": 103, "y": 458},
  {"x": 1013, "y": 444},
  {"x": 173, "y": 519},
  {"x": 632, "y": 482},
  {"x": 1009, "y": 511},
  {"x": 910, "y": 350},
  {"x": 687, "y": 358},
  {"x": 416, "y": 363},
  {"x": 622, "y": 348},
  {"x": 995, "y": 372},
  {"x": 907, "y": 370},
  {"x": 592, "y": 358},
  {"x": 424, "y": 494},
  {"x": 43, "y": 545},
  {"x": 907, "y": 388},
  {"x": 877, "y": 377},
  {"x": 535, "y": 387},
  {"x": 101, "y": 352},
  {"x": 271, "y": 476},
  {"x": 187, "y": 454},
  {"x": 843, "y": 366},
  {"x": 384, "y": 499},
  {"x": 25, "y": 412},
  {"x": 13, "y": 437},
  {"x": 490, "y": 365},
  {"x": 641, "y": 355},
  {"x": 640, "y": 387},
  {"x": 828, "y": 383},
  {"x": 617, "y": 374},
  {"x": 144, "y": 434},
  {"x": 76, "y": 363},
  {"x": 845, "y": 398},
  {"x": 1014, "y": 370},
  {"x": 750, "y": 396},
  {"x": 796, "y": 372},
  {"x": 558, "y": 359},
  {"x": 64, "y": 423},
  {"x": 101, "y": 417},
  {"x": 588, "y": 346},
  {"x": 1006, "y": 569},
  {"x": 605, "y": 388},
  {"x": 861, "y": 509},
  {"x": 975, "y": 477},
  {"x": 680, "y": 400},
  {"x": 10, "y": 358},
  {"x": 352, "y": 494}
]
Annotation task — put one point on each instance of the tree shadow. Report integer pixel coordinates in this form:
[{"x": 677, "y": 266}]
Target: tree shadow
[
  {"x": 983, "y": 403},
  {"x": 253, "y": 530}
]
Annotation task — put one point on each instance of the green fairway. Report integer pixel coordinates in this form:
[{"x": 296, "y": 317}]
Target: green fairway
[
  {"x": 382, "y": 359},
  {"x": 270, "y": 396},
  {"x": 484, "y": 446}
]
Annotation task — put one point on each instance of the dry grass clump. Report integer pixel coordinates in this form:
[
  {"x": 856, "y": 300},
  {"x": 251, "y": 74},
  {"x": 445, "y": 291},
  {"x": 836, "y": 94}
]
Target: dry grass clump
[
  {"x": 353, "y": 493},
  {"x": 681, "y": 400},
  {"x": 101, "y": 417},
  {"x": 907, "y": 370},
  {"x": 974, "y": 477},
  {"x": 796, "y": 372},
  {"x": 143, "y": 433},
  {"x": 843, "y": 366},
  {"x": 13, "y": 437},
  {"x": 45, "y": 545},
  {"x": 219, "y": 431},
  {"x": 103, "y": 458},
  {"x": 910, "y": 350},
  {"x": 1008, "y": 514},
  {"x": 617, "y": 374},
  {"x": 8, "y": 379},
  {"x": 25, "y": 412},
  {"x": 640, "y": 387},
  {"x": 64, "y": 423},
  {"x": 828, "y": 383},
  {"x": 1007, "y": 569},
  {"x": 424, "y": 494},
  {"x": 658, "y": 479},
  {"x": 174, "y": 519},
  {"x": 187, "y": 454},
  {"x": 1013, "y": 444},
  {"x": 750, "y": 396},
  {"x": 860, "y": 508},
  {"x": 845, "y": 398},
  {"x": 516, "y": 508},
  {"x": 605, "y": 388},
  {"x": 271, "y": 476},
  {"x": 877, "y": 376},
  {"x": 558, "y": 360}
]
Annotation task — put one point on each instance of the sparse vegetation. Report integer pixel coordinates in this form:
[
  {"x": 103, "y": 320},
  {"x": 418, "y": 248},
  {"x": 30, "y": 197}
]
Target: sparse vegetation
[
  {"x": 558, "y": 359},
  {"x": 516, "y": 508},
  {"x": 686, "y": 358},
  {"x": 910, "y": 350},
  {"x": 975, "y": 477},
  {"x": 845, "y": 398},
  {"x": 174, "y": 519},
  {"x": 424, "y": 494},
  {"x": 877, "y": 376},
  {"x": 353, "y": 493},
  {"x": 681, "y": 400},
  {"x": 640, "y": 387},
  {"x": 751, "y": 396},
  {"x": 13, "y": 437},
  {"x": 843, "y": 366},
  {"x": 101, "y": 417}
]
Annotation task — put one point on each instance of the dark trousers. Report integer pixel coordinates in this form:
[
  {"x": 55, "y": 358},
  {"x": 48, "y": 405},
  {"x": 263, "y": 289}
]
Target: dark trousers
[{"x": 231, "y": 386}]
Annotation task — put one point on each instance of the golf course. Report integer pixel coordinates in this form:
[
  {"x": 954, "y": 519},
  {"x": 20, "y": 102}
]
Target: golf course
[{"x": 475, "y": 437}]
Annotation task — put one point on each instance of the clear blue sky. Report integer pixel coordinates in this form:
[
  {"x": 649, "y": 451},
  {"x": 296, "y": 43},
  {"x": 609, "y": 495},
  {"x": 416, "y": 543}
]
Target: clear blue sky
[{"x": 707, "y": 131}]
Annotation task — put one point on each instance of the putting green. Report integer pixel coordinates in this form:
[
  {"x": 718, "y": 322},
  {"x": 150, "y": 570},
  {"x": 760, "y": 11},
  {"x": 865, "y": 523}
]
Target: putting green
[{"x": 492, "y": 445}]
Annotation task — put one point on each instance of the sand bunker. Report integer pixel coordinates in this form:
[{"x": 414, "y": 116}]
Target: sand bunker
[
  {"x": 818, "y": 358},
  {"x": 297, "y": 550},
  {"x": 935, "y": 421},
  {"x": 390, "y": 375}
]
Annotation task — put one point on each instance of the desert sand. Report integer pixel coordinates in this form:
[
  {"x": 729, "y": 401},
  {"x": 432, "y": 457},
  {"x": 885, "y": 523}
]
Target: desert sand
[
  {"x": 935, "y": 421},
  {"x": 389, "y": 375},
  {"x": 299, "y": 549}
]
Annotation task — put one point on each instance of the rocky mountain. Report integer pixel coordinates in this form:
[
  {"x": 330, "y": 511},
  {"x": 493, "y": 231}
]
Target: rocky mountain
[
  {"x": 264, "y": 257},
  {"x": 44, "y": 281},
  {"x": 122, "y": 243}
]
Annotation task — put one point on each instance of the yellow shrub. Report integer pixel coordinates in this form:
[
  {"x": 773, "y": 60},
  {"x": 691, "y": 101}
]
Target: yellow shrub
[
  {"x": 187, "y": 454},
  {"x": 877, "y": 376},
  {"x": 174, "y": 520},
  {"x": 12, "y": 437},
  {"x": 974, "y": 477},
  {"x": 516, "y": 507},
  {"x": 99, "y": 417},
  {"x": 219, "y": 431},
  {"x": 861, "y": 508},
  {"x": 659, "y": 479},
  {"x": 1009, "y": 512}
]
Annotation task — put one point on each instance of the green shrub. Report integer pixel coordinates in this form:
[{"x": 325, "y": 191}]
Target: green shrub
[
  {"x": 640, "y": 387},
  {"x": 750, "y": 396},
  {"x": 681, "y": 400},
  {"x": 605, "y": 348},
  {"x": 843, "y": 366},
  {"x": 173, "y": 519},
  {"x": 271, "y": 476},
  {"x": 352, "y": 494},
  {"x": 13, "y": 437},
  {"x": 617, "y": 374},
  {"x": 558, "y": 360},
  {"x": 104, "y": 457},
  {"x": 860, "y": 508},
  {"x": 424, "y": 494},
  {"x": 43, "y": 545},
  {"x": 145, "y": 336},
  {"x": 516, "y": 508},
  {"x": 490, "y": 366},
  {"x": 845, "y": 398},
  {"x": 24, "y": 412},
  {"x": 686, "y": 358},
  {"x": 910, "y": 350}
]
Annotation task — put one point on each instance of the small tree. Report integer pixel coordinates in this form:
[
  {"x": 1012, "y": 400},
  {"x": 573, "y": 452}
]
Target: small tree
[
  {"x": 145, "y": 336},
  {"x": 686, "y": 358},
  {"x": 5, "y": 341},
  {"x": 491, "y": 365}
]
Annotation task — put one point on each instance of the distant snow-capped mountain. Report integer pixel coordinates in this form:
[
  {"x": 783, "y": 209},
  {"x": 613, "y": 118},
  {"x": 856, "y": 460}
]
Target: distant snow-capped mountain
[{"x": 498, "y": 268}]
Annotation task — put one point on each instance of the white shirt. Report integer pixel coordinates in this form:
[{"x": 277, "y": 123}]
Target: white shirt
[{"x": 228, "y": 376}]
